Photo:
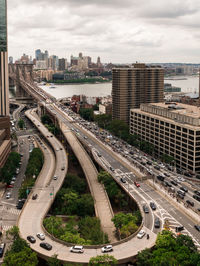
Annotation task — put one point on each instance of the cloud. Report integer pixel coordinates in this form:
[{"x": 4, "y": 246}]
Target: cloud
[{"x": 113, "y": 29}]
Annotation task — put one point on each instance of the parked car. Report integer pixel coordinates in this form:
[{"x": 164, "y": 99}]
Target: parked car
[
  {"x": 141, "y": 234},
  {"x": 179, "y": 228},
  {"x": 8, "y": 195},
  {"x": 55, "y": 177},
  {"x": 174, "y": 182},
  {"x": 77, "y": 249},
  {"x": 196, "y": 197},
  {"x": 31, "y": 239},
  {"x": 180, "y": 192},
  {"x": 41, "y": 236},
  {"x": 107, "y": 248},
  {"x": 46, "y": 245},
  {"x": 157, "y": 222},
  {"x": 153, "y": 206}
]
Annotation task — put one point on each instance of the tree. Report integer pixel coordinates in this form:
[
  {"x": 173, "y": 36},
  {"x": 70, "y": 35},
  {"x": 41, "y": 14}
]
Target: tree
[
  {"x": 54, "y": 261},
  {"x": 106, "y": 260},
  {"x": 46, "y": 120},
  {"x": 87, "y": 113},
  {"x": 21, "y": 123},
  {"x": 143, "y": 257}
]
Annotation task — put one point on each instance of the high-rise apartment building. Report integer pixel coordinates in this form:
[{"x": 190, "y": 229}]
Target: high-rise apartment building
[
  {"x": 133, "y": 86},
  {"x": 4, "y": 103},
  {"x": 173, "y": 129}
]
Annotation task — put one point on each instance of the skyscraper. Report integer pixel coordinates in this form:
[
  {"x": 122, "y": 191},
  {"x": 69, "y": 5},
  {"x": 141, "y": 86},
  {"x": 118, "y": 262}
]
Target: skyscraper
[
  {"x": 4, "y": 102},
  {"x": 133, "y": 86}
]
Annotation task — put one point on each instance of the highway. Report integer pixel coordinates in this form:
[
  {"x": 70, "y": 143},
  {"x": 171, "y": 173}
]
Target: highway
[{"x": 144, "y": 194}]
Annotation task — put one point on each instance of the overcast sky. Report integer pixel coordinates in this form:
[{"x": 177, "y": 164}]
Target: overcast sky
[{"x": 119, "y": 31}]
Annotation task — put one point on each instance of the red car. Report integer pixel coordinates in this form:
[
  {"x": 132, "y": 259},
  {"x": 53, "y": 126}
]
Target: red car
[
  {"x": 136, "y": 184},
  {"x": 9, "y": 186}
]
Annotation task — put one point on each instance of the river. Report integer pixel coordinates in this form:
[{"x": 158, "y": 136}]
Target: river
[{"x": 191, "y": 84}]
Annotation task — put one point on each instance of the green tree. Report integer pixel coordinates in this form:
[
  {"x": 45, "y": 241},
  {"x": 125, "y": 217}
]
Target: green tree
[
  {"x": 106, "y": 260},
  {"x": 87, "y": 113},
  {"x": 21, "y": 123},
  {"x": 54, "y": 261},
  {"x": 103, "y": 120},
  {"x": 143, "y": 257},
  {"x": 46, "y": 120}
]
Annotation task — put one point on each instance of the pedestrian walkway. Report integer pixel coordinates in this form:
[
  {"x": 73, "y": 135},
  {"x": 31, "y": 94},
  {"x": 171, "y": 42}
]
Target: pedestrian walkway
[
  {"x": 6, "y": 228},
  {"x": 102, "y": 204},
  {"x": 10, "y": 210}
]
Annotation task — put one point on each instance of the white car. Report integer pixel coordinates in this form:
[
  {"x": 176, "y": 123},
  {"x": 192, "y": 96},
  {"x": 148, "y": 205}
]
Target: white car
[
  {"x": 107, "y": 248},
  {"x": 55, "y": 177},
  {"x": 77, "y": 249},
  {"x": 41, "y": 236},
  {"x": 141, "y": 234},
  {"x": 8, "y": 195}
]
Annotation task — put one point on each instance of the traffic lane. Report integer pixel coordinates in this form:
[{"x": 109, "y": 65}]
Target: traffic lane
[{"x": 178, "y": 215}]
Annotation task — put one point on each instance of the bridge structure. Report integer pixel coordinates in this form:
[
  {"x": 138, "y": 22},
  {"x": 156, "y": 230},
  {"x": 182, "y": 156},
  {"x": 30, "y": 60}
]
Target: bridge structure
[{"x": 21, "y": 76}]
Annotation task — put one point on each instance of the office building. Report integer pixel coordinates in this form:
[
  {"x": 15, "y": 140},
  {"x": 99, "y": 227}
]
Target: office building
[
  {"x": 4, "y": 103},
  {"x": 133, "y": 86},
  {"x": 173, "y": 129},
  {"x": 62, "y": 64},
  {"x": 5, "y": 141}
]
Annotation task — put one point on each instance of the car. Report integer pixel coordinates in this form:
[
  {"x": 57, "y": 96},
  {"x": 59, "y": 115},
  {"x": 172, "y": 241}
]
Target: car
[
  {"x": 41, "y": 236},
  {"x": 196, "y": 226},
  {"x": 20, "y": 204},
  {"x": 112, "y": 169},
  {"x": 85, "y": 137},
  {"x": 166, "y": 174},
  {"x": 77, "y": 249},
  {"x": 160, "y": 177},
  {"x": 46, "y": 245},
  {"x": 123, "y": 180},
  {"x": 107, "y": 248},
  {"x": 173, "y": 182},
  {"x": 31, "y": 239},
  {"x": 180, "y": 192},
  {"x": 181, "y": 196},
  {"x": 136, "y": 184},
  {"x": 196, "y": 197},
  {"x": 10, "y": 186},
  {"x": 141, "y": 234},
  {"x": 197, "y": 192},
  {"x": 157, "y": 167},
  {"x": 2, "y": 248},
  {"x": 55, "y": 177},
  {"x": 63, "y": 168},
  {"x": 12, "y": 182},
  {"x": 145, "y": 209},
  {"x": 99, "y": 154},
  {"x": 189, "y": 202},
  {"x": 179, "y": 228},
  {"x": 157, "y": 222},
  {"x": 34, "y": 197},
  {"x": 153, "y": 206},
  {"x": 8, "y": 195},
  {"x": 184, "y": 189},
  {"x": 13, "y": 178}
]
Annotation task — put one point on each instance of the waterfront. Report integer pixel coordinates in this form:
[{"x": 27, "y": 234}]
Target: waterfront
[
  {"x": 103, "y": 89},
  {"x": 191, "y": 84}
]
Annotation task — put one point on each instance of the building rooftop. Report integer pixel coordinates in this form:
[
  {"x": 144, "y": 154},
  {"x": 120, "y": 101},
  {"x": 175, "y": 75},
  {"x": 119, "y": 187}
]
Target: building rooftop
[{"x": 180, "y": 108}]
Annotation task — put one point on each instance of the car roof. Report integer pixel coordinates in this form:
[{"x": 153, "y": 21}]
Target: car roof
[{"x": 78, "y": 247}]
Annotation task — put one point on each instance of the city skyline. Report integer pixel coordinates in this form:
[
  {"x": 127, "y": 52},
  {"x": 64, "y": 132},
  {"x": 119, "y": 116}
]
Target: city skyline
[{"x": 118, "y": 32}]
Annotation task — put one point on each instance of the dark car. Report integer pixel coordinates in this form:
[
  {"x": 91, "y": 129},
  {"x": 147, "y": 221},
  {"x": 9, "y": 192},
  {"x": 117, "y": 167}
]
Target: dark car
[
  {"x": 20, "y": 204},
  {"x": 179, "y": 171},
  {"x": 181, "y": 192},
  {"x": 123, "y": 180},
  {"x": 46, "y": 245},
  {"x": 157, "y": 167},
  {"x": 189, "y": 202},
  {"x": 160, "y": 177},
  {"x": 179, "y": 228},
  {"x": 196, "y": 226},
  {"x": 174, "y": 182},
  {"x": 157, "y": 223},
  {"x": 31, "y": 239},
  {"x": 184, "y": 189},
  {"x": 153, "y": 206},
  {"x": 197, "y": 192},
  {"x": 34, "y": 197},
  {"x": 145, "y": 209},
  {"x": 196, "y": 197}
]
